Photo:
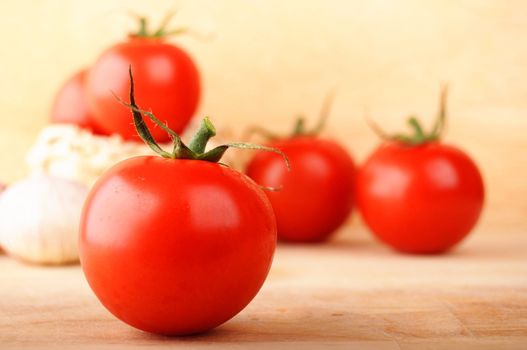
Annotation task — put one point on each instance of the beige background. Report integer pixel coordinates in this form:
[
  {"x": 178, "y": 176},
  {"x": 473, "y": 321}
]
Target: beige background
[{"x": 270, "y": 60}]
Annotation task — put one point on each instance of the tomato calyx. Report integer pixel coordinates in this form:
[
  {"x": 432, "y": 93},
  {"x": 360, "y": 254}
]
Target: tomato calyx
[
  {"x": 300, "y": 128},
  {"x": 196, "y": 150},
  {"x": 418, "y": 136},
  {"x": 161, "y": 32}
]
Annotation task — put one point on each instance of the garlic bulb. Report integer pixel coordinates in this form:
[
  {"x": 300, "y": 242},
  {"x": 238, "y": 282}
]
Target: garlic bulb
[
  {"x": 73, "y": 153},
  {"x": 39, "y": 219}
]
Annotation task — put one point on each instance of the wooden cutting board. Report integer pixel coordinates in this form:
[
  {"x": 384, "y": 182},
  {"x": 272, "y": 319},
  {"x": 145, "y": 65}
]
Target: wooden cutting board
[{"x": 348, "y": 294}]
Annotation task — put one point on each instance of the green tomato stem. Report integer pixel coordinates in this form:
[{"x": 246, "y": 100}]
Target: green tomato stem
[
  {"x": 198, "y": 144},
  {"x": 140, "y": 124},
  {"x": 206, "y": 131},
  {"x": 419, "y": 135},
  {"x": 299, "y": 128},
  {"x": 161, "y": 32}
]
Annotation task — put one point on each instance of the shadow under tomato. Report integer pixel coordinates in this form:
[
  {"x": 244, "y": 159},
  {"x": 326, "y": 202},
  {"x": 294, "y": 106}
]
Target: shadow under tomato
[{"x": 285, "y": 324}]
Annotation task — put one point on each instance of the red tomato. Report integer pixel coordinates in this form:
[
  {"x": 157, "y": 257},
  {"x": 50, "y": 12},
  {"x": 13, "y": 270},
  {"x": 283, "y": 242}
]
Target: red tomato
[
  {"x": 167, "y": 83},
  {"x": 420, "y": 199},
  {"x": 70, "y": 104},
  {"x": 176, "y": 246},
  {"x": 316, "y": 196}
]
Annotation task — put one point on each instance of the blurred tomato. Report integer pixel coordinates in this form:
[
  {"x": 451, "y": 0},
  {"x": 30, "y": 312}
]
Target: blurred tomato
[
  {"x": 417, "y": 194},
  {"x": 316, "y": 196},
  {"x": 70, "y": 104},
  {"x": 421, "y": 199},
  {"x": 167, "y": 83}
]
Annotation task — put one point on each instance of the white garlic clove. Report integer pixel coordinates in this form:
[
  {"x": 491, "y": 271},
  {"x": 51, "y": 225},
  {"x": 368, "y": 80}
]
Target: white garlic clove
[{"x": 39, "y": 219}]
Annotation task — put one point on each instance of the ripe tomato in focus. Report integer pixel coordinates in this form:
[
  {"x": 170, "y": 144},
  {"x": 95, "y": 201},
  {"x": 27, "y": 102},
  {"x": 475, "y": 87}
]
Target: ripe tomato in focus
[
  {"x": 419, "y": 195},
  {"x": 176, "y": 246},
  {"x": 70, "y": 105},
  {"x": 316, "y": 196},
  {"x": 167, "y": 83}
]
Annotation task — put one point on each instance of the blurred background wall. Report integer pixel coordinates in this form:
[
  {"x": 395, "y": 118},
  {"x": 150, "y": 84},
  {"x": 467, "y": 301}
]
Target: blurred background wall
[{"x": 270, "y": 60}]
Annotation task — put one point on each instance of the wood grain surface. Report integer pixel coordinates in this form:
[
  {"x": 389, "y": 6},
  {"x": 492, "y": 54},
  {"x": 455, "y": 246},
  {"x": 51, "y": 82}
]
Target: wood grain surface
[
  {"x": 267, "y": 63},
  {"x": 347, "y": 294}
]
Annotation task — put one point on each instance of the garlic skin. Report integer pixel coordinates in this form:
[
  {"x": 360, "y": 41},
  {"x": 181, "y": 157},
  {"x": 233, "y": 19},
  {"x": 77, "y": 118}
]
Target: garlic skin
[{"x": 39, "y": 219}]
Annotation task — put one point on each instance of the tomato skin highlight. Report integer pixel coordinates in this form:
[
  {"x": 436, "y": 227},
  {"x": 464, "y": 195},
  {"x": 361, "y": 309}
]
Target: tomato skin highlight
[
  {"x": 316, "y": 196},
  {"x": 70, "y": 105},
  {"x": 176, "y": 247},
  {"x": 167, "y": 84},
  {"x": 420, "y": 199}
]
